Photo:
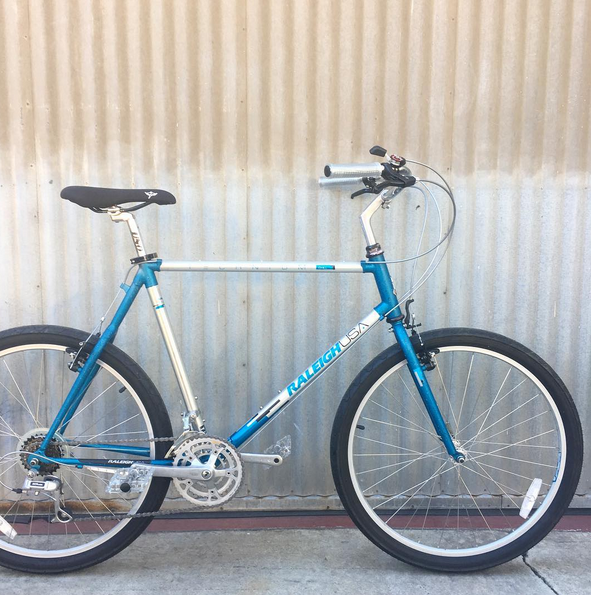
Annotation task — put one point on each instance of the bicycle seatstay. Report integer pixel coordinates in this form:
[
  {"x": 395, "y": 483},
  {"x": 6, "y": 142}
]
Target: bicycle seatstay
[{"x": 144, "y": 276}]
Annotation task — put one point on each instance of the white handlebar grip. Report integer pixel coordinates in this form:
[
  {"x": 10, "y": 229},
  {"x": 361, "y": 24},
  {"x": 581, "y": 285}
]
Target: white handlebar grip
[
  {"x": 337, "y": 182},
  {"x": 353, "y": 170}
]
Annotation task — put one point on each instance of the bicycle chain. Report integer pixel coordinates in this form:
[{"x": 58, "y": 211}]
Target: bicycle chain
[
  {"x": 125, "y": 441},
  {"x": 138, "y": 515}
]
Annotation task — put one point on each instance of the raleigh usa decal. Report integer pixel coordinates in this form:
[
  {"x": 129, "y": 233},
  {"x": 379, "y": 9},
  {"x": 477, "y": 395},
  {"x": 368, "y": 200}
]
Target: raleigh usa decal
[{"x": 322, "y": 361}]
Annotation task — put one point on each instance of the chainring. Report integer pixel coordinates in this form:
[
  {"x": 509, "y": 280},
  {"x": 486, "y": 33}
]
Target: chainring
[{"x": 226, "y": 471}]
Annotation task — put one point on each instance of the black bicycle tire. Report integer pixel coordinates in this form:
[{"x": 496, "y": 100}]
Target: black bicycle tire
[
  {"x": 450, "y": 337},
  {"x": 158, "y": 415}
]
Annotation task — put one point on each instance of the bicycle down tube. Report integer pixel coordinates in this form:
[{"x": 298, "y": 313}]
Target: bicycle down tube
[{"x": 145, "y": 276}]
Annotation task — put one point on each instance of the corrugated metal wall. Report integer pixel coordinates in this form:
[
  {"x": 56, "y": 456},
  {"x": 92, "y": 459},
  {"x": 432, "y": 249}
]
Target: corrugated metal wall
[{"x": 235, "y": 107}]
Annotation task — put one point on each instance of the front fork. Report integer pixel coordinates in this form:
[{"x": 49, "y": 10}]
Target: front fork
[
  {"x": 391, "y": 310},
  {"x": 418, "y": 375}
]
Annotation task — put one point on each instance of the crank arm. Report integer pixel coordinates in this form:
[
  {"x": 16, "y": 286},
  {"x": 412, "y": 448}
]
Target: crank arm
[{"x": 259, "y": 459}]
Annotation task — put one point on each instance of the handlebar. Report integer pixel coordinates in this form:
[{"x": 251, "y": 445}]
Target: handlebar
[
  {"x": 339, "y": 182},
  {"x": 353, "y": 170},
  {"x": 393, "y": 173}
]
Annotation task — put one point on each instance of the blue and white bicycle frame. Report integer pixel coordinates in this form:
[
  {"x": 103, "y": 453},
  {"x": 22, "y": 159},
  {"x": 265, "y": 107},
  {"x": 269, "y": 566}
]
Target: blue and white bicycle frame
[{"x": 145, "y": 276}]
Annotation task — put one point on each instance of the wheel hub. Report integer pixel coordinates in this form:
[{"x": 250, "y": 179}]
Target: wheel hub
[{"x": 462, "y": 452}]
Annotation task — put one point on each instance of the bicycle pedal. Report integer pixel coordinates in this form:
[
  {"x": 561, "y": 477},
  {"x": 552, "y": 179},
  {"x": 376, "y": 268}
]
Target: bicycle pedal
[{"x": 130, "y": 480}]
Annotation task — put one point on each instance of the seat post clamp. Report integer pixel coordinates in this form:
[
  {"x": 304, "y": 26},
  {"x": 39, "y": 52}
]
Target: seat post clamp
[{"x": 145, "y": 258}]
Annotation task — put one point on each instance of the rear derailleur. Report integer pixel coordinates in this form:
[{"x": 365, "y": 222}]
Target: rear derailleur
[{"x": 51, "y": 487}]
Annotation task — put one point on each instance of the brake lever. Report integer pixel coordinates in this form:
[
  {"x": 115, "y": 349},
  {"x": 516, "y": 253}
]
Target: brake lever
[
  {"x": 363, "y": 191},
  {"x": 373, "y": 188},
  {"x": 370, "y": 188}
]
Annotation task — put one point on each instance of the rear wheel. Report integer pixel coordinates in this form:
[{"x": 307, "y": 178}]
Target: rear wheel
[
  {"x": 121, "y": 403},
  {"x": 505, "y": 408}
]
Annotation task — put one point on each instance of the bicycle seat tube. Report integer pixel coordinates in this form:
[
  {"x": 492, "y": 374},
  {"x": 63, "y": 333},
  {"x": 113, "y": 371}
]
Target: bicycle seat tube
[{"x": 192, "y": 419}]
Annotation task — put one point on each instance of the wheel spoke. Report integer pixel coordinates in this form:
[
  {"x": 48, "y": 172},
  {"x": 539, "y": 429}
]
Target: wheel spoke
[
  {"x": 41, "y": 372},
  {"x": 398, "y": 464},
  {"x": 502, "y": 418},
  {"x": 423, "y": 456},
  {"x": 488, "y": 410},
  {"x": 474, "y": 500},
  {"x": 518, "y": 443},
  {"x": 387, "y": 444},
  {"x": 488, "y": 476},
  {"x": 495, "y": 400},
  {"x": 105, "y": 432},
  {"x": 8, "y": 469},
  {"x": 492, "y": 454},
  {"x": 93, "y": 493},
  {"x": 418, "y": 486},
  {"x": 407, "y": 428},
  {"x": 116, "y": 406},
  {"x": 91, "y": 402},
  {"x": 23, "y": 405},
  {"x": 529, "y": 479},
  {"x": 84, "y": 505},
  {"x": 504, "y": 431},
  {"x": 402, "y": 417},
  {"x": 415, "y": 401}
]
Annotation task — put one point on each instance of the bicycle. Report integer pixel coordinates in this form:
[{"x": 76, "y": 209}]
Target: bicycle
[{"x": 453, "y": 450}]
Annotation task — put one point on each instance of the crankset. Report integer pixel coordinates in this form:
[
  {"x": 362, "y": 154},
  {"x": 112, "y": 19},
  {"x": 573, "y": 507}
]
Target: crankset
[
  {"x": 206, "y": 471},
  {"x": 210, "y": 471}
]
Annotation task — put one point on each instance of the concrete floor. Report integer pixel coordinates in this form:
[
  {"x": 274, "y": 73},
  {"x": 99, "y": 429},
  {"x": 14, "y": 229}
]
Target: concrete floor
[{"x": 305, "y": 561}]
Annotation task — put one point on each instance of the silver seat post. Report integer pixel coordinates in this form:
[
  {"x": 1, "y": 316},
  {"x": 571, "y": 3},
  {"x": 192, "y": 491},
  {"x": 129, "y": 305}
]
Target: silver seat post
[{"x": 118, "y": 216}]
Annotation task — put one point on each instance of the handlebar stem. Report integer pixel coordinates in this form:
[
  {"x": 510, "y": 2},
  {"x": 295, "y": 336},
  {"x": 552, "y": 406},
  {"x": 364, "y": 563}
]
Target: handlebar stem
[{"x": 366, "y": 216}]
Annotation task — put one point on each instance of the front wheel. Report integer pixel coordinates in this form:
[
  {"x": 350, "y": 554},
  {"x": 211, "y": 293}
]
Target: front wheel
[{"x": 505, "y": 408}]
